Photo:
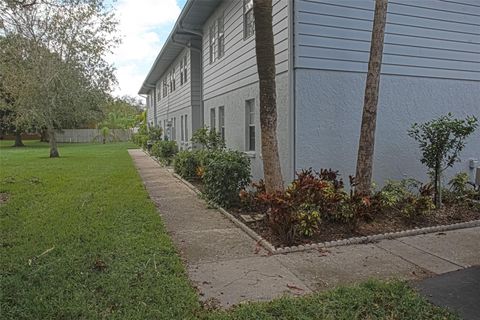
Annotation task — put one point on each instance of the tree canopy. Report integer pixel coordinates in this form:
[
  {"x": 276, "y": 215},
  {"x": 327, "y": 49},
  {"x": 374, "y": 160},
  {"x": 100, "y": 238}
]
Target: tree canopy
[{"x": 53, "y": 60}]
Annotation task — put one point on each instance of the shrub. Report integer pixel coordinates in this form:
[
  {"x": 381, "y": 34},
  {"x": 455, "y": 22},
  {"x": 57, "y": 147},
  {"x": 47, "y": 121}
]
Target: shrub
[
  {"x": 225, "y": 174},
  {"x": 164, "y": 151},
  {"x": 409, "y": 197},
  {"x": 189, "y": 164},
  {"x": 308, "y": 219},
  {"x": 310, "y": 198},
  {"x": 209, "y": 139},
  {"x": 459, "y": 189},
  {"x": 441, "y": 141},
  {"x": 155, "y": 134},
  {"x": 140, "y": 140}
]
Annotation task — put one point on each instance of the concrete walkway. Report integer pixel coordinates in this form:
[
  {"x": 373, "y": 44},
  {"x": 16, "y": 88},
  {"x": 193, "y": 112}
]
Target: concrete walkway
[{"x": 228, "y": 267}]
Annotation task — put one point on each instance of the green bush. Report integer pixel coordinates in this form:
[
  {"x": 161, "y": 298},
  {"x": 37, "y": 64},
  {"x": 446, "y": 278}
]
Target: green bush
[
  {"x": 225, "y": 174},
  {"x": 208, "y": 139},
  {"x": 164, "y": 151},
  {"x": 186, "y": 164},
  {"x": 409, "y": 197},
  {"x": 155, "y": 134},
  {"x": 140, "y": 140}
]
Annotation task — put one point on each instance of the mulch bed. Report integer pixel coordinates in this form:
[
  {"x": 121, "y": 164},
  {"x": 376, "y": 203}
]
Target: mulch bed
[
  {"x": 378, "y": 224},
  {"x": 381, "y": 223}
]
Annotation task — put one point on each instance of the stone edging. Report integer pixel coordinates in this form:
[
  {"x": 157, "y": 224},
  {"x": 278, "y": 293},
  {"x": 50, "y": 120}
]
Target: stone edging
[{"x": 328, "y": 244}]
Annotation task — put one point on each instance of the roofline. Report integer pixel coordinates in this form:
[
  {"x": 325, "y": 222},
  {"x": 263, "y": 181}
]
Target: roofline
[{"x": 169, "y": 41}]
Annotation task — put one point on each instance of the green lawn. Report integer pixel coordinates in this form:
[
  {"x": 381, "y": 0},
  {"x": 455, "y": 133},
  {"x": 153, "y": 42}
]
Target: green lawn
[{"x": 79, "y": 239}]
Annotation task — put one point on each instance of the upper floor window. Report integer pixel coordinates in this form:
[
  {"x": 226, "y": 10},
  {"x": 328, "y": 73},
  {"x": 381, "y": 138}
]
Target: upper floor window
[
  {"x": 181, "y": 71},
  {"x": 221, "y": 36},
  {"x": 164, "y": 87},
  {"x": 172, "y": 80},
  {"x": 213, "y": 42},
  {"x": 217, "y": 39},
  {"x": 185, "y": 69},
  {"x": 248, "y": 19}
]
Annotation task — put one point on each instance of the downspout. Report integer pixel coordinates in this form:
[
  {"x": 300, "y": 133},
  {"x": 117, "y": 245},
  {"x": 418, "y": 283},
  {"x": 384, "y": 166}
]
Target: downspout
[{"x": 291, "y": 87}]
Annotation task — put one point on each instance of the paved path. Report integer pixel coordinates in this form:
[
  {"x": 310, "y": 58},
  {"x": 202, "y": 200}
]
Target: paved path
[{"x": 227, "y": 266}]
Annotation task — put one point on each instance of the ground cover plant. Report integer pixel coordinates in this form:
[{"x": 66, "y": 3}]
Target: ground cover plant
[{"x": 80, "y": 239}]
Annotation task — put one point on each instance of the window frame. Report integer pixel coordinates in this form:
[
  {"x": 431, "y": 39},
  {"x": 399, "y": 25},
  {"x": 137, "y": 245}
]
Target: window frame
[
  {"x": 213, "y": 119},
  {"x": 212, "y": 31},
  {"x": 221, "y": 121},
  {"x": 249, "y": 125},
  {"x": 185, "y": 69},
  {"x": 248, "y": 12},
  {"x": 182, "y": 136},
  {"x": 186, "y": 127}
]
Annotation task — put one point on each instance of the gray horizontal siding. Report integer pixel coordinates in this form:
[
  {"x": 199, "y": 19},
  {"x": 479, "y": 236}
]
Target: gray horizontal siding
[
  {"x": 182, "y": 96},
  {"x": 238, "y": 68},
  {"x": 432, "y": 38}
]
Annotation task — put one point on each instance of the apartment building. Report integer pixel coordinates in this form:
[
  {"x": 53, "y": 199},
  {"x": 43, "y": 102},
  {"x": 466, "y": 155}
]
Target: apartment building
[{"x": 206, "y": 74}]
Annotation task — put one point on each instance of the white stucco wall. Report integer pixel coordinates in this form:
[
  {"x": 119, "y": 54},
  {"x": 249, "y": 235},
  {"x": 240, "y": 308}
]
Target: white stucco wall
[
  {"x": 329, "y": 110},
  {"x": 235, "y": 123}
]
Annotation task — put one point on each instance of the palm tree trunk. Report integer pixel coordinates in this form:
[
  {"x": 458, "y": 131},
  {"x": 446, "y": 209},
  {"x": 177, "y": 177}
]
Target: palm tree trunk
[
  {"x": 18, "y": 139},
  {"x": 265, "y": 52},
  {"x": 53, "y": 144},
  {"x": 363, "y": 177}
]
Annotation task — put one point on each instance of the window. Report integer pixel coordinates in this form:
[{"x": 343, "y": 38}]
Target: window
[
  {"x": 186, "y": 127},
  {"x": 221, "y": 122},
  {"x": 174, "y": 129},
  {"x": 248, "y": 19},
  {"x": 213, "y": 42},
  {"x": 182, "y": 136},
  {"x": 221, "y": 37},
  {"x": 165, "y": 87},
  {"x": 185, "y": 68},
  {"x": 181, "y": 71},
  {"x": 217, "y": 39},
  {"x": 212, "y": 119},
  {"x": 250, "y": 120}
]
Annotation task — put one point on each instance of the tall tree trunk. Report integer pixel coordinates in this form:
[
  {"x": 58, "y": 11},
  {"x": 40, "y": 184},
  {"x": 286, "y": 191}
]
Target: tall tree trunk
[
  {"x": 18, "y": 139},
  {"x": 363, "y": 177},
  {"x": 265, "y": 51},
  {"x": 53, "y": 144},
  {"x": 43, "y": 135}
]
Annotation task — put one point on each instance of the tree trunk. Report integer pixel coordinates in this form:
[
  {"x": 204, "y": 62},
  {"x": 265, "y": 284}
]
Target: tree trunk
[
  {"x": 53, "y": 144},
  {"x": 264, "y": 47},
  {"x": 363, "y": 177},
  {"x": 18, "y": 139},
  {"x": 43, "y": 135}
]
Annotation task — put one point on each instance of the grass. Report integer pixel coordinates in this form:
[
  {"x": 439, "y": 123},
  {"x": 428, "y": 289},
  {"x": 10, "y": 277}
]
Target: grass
[{"x": 79, "y": 239}]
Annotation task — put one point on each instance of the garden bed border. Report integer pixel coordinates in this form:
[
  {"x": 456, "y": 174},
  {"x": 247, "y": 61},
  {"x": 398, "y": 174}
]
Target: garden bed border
[{"x": 327, "y": 244}]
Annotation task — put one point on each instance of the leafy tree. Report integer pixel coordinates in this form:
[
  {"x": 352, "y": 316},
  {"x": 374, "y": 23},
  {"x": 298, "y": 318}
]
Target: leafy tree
[
  {"x": 53, "y": 60},
  {"x": 120, "y": 113},
  {"x": 265, "y": 53},
  {"x": 441, "y": 140},
  {"x": 363, "y": 176}
]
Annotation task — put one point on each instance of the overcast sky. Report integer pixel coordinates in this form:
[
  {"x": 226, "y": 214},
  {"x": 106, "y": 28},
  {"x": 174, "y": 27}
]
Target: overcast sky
[{"x": 144, "y": 27}]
